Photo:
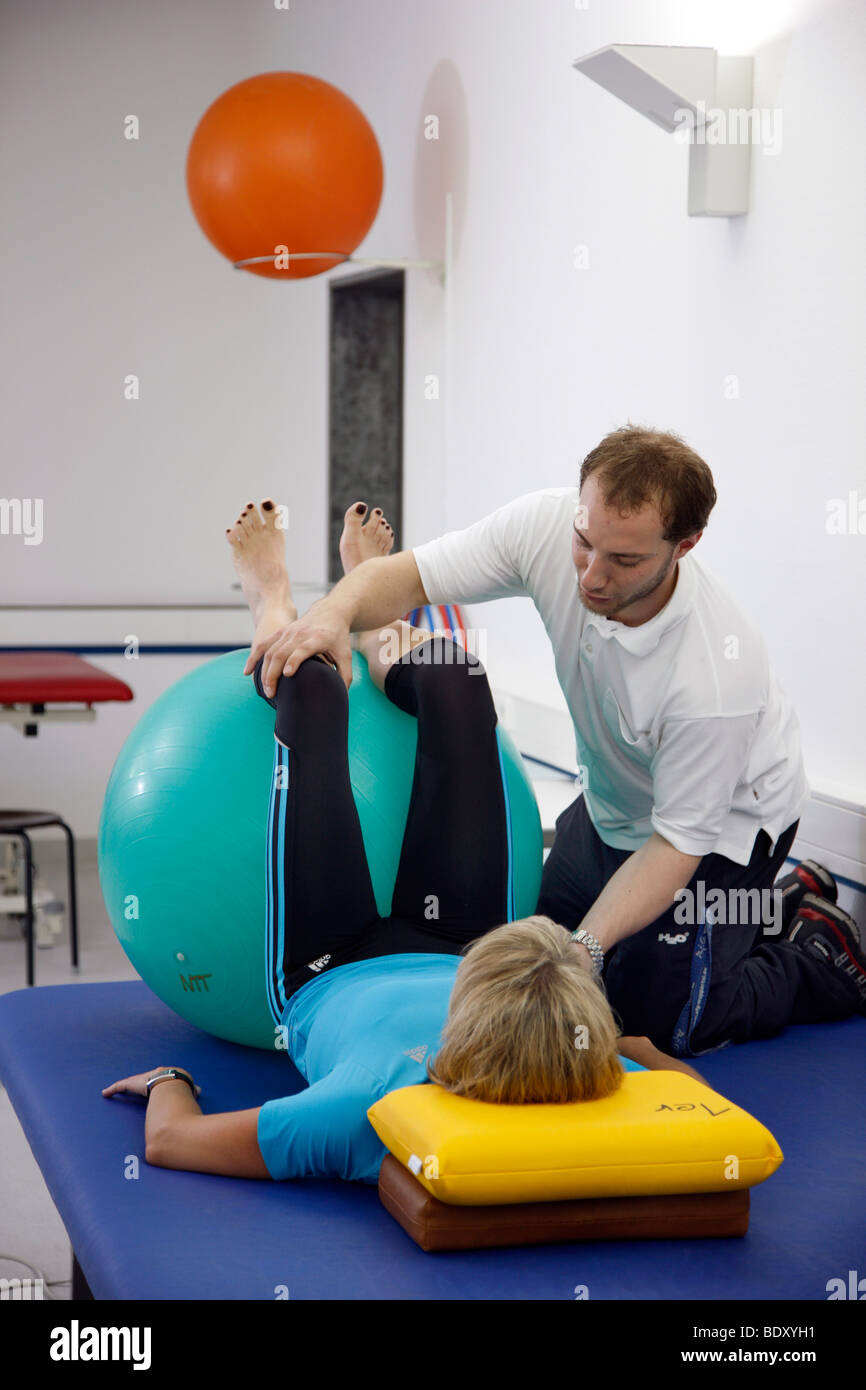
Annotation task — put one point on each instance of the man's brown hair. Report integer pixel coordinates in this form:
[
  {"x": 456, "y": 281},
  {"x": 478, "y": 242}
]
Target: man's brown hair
[{"x": 636, "y": 466}]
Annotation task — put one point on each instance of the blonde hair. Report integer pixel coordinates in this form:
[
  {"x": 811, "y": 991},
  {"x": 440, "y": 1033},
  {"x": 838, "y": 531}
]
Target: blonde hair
[{"x": 527, "y": 1022}]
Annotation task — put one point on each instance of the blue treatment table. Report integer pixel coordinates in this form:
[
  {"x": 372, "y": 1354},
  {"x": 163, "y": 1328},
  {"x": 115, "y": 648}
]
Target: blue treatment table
[{"x": 176, "y": 1235}]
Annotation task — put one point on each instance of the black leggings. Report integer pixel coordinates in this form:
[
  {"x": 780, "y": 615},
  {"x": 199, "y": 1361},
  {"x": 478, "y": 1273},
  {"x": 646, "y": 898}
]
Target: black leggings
[{"x": 454, "y": 861}]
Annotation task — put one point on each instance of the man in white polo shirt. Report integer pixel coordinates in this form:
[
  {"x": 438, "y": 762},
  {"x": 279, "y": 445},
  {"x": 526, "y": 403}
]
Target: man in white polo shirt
[{"x": 688, "y": 748}]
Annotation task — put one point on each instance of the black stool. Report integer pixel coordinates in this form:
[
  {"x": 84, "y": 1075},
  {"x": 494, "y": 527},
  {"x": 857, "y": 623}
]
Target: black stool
[{"x": 18, "y": 823}]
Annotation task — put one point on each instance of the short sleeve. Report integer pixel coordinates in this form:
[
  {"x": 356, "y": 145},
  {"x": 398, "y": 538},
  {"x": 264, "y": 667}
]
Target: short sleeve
[
  {"x": 695, "y": 772},
  {"x": 324, "y": 1131},
  {"x": 485, "y": 561}
]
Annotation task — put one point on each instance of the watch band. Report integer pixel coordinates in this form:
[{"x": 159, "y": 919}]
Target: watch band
[
  {"x": 593, "y": 945},
  {"x": 171, "y": 1074}
]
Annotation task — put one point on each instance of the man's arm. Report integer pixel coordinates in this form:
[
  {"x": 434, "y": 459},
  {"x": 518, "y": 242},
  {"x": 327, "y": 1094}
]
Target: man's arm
[
  {"x": 376, "y": 593},
  {"x": 695, "y": 771},
  {"x": 642, "y": 888},
  {"x": 485, "y": 561},
  {"x": 642, "y": 1051}
]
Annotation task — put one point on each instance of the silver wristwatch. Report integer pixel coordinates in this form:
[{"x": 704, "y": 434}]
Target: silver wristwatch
[{"x": 586, "y": 938}]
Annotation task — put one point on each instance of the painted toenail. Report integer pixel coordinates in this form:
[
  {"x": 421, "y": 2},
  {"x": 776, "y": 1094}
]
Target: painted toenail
[
  {"x": 268, "y": 506},
  {"x": 361, "y": 508}
]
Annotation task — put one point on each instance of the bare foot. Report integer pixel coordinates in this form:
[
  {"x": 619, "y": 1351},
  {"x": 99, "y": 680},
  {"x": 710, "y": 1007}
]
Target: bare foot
[
  {"x": 359, "y": 542},
  {"x": 259, "y": 551}
]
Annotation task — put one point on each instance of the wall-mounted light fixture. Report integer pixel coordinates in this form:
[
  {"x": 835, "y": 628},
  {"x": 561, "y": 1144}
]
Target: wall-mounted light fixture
[{"x": 703, "y": 98}]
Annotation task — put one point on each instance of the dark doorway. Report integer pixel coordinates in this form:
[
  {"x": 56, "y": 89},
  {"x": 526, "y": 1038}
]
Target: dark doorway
[{"x": 365, "y": 402}]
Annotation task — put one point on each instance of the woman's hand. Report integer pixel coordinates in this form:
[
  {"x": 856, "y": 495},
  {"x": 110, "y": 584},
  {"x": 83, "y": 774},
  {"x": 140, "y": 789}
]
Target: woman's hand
[
  {"x": 137, "y": 1085},
  {"x": 323, "y": 630}
]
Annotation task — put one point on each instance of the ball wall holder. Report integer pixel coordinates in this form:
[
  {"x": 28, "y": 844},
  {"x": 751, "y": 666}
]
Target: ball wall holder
[
  {"x": 442, "y": 269},
  {"x": 370, "y": 262}
]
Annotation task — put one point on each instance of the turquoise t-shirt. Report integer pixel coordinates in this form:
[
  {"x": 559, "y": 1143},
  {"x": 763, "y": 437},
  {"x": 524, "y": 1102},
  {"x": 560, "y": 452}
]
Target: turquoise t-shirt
[{"x": 355, "y": 1034}]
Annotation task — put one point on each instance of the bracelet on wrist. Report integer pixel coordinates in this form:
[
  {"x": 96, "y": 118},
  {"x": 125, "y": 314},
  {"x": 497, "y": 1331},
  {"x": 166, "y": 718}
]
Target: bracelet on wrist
[
  {"x": 592, "y": 945},
  {"x": 170, "y": 1074}
]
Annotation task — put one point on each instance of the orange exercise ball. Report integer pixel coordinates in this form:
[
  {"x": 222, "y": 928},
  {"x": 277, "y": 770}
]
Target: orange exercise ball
[{"x": 284, "y": 160}]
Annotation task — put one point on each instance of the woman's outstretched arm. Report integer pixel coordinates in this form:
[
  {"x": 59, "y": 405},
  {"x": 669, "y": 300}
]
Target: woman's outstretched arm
[{"x": 178, "y": 1135}]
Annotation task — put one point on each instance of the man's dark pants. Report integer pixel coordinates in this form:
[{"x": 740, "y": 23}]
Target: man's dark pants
[{"x": 722, "y": 983}]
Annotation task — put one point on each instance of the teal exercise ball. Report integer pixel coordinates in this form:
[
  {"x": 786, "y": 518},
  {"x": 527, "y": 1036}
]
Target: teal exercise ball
[{"x": 183, "y": 833}]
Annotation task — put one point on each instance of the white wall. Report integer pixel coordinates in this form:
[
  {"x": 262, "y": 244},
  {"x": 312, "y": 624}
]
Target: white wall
[{"x": 108, "y": 273}]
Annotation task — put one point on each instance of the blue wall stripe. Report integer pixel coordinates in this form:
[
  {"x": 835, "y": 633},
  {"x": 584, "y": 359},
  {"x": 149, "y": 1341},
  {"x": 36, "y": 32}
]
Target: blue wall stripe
[
  {"x": 118, "y": 650},
  {"x": 554, "y": 767}
]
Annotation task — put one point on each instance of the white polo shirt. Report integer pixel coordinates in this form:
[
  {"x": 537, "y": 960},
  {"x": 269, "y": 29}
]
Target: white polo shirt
[{"x": 680, "y": 724}]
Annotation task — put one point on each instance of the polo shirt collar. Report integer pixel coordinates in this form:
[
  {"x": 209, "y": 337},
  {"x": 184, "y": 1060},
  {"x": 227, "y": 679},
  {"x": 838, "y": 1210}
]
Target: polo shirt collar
[{"x": 645, "y": 638}]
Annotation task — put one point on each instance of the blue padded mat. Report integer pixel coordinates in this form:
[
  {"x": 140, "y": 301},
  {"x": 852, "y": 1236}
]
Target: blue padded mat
[{"x": 175, "y": 1235}]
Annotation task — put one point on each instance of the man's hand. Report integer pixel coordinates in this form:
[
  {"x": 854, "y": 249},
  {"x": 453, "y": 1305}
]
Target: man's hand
[
  {"x": 323, "y": 630},
  {"x": 372, "y": 595}
]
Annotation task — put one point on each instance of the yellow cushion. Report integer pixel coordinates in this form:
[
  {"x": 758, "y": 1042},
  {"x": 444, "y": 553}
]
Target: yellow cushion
[{"x": 662, "y": 1131}]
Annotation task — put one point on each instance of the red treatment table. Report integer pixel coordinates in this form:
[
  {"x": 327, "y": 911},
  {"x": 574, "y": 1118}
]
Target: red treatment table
[
  {"x": 31, "y": 681},
  {"x": 38, "y": 687}
]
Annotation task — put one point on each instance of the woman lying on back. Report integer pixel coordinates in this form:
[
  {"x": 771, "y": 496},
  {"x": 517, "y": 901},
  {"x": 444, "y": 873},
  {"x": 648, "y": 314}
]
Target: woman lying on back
[{"x": 509, "y": 1014}]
